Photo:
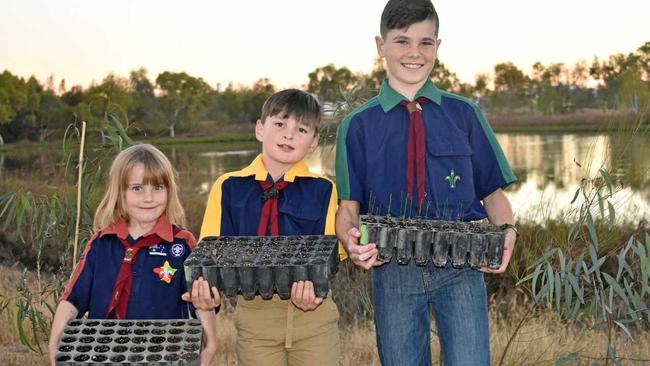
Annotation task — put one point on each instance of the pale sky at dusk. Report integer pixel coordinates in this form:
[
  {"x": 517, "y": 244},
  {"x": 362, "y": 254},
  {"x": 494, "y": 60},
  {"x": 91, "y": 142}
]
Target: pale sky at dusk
[{"x": 242, "y": 41}]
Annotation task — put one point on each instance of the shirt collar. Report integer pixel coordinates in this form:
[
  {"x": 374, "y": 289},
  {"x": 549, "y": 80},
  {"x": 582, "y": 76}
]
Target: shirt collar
[
  {"x": 389, "y": 97},
  {"x": 163, "y": 229},
  {"x": 257, "y": 169}
]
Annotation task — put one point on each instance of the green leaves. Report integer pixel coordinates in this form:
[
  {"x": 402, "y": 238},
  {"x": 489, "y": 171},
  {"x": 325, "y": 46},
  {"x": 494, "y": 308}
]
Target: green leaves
[{"x": 47, "y": 223}]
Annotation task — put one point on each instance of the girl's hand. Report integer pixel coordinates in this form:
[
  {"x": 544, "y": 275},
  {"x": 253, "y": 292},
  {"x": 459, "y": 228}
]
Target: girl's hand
[
  {"x": 200, "y": 296},
  {"x": 303, "y": 296}
]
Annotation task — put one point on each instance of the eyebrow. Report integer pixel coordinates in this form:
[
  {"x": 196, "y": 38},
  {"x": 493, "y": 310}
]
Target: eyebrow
[{"x": 399, "y": 37}]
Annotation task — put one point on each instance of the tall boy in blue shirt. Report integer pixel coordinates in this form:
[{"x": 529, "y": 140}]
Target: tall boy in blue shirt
[
  {"x": 277, "y": 195},
  {"x": 418, "y": 151}
]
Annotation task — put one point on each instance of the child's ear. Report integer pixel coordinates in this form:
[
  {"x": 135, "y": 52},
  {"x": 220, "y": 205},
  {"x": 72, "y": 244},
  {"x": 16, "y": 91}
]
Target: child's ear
[
  {"x": 380, "y": 45},
  {"x": 259, "y": 130},
  {"x": 314, "y": 143}
]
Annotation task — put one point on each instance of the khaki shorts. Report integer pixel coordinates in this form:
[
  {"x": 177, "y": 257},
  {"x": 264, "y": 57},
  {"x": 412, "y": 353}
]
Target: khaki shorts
[{"x": 274, "y": 332}]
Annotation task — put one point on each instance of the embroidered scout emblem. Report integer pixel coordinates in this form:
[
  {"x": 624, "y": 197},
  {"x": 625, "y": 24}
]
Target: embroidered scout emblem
[
  {"x": 158, "y": 250},
  {"x": 452, "y": 178},
  {"x": 177, "y": 250},
  {"x": 165, "y": 273}
]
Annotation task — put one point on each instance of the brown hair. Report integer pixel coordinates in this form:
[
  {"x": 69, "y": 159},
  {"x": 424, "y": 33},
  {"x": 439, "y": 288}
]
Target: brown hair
[
  {"x": 399, "y": 14},
  {"x": 158, "y": 170},
  {"x": 300, "y": 105}
]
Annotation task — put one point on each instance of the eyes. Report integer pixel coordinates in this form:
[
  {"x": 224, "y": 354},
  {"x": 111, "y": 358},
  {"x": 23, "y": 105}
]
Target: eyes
[
  {"x": 301, "y": 128},
  {"x": 423, "y": 43},
  {"x": 138, "y": 188}
]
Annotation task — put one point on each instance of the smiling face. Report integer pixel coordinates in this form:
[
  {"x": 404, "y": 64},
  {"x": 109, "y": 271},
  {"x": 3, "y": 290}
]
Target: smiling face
[
  {"x": 410, "y": 54},
  {"x": 144, "y": 203},
  {"x": 285, "y": 141}
]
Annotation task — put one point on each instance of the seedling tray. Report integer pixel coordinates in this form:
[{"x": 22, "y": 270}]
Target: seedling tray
[
  {"x": 438, "y": 241},
  {"x": 264, "y": 265},
  {"x": 130, "y": 342}
]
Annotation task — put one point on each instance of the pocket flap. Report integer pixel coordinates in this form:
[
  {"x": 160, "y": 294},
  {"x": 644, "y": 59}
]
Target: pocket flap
[
  {"x": 311, "y": 211},
  {"x": 440, "y": 146}
]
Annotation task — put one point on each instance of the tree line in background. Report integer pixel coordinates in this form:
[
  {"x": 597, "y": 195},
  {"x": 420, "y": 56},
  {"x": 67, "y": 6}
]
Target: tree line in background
[{"x": 174, "y": 102}]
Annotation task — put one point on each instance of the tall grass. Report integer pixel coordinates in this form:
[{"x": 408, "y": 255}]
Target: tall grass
[{"x": 543, "y": 338}]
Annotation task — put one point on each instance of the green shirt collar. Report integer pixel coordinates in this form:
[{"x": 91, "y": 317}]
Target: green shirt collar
[{"x": 389, "y": 97}]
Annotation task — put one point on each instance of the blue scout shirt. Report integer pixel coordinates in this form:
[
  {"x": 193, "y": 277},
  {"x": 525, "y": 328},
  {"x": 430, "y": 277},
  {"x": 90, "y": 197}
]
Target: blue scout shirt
[
  {"x": 307, "y": 206},
  {"x": 158, "y": 275},
  {"x": 464, "y": 162}
]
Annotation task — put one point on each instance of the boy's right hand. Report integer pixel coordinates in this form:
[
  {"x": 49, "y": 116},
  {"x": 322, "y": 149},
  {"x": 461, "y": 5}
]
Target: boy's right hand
[
  {"x": 304, "y": 297},
  {"x": 364, "y": 256}
]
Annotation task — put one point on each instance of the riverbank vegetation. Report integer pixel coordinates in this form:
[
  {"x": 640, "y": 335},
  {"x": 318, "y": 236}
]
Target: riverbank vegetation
[{"x": 175, "y": 103}]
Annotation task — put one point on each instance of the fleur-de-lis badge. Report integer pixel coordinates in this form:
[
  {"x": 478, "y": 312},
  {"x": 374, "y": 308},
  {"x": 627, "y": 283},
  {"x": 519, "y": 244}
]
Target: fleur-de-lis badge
[{"x": 452, "y": 178}]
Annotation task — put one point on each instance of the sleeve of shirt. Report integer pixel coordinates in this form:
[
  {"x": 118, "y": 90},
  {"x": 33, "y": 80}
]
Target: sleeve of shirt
[
  {"x": 215, "y": 220},
  {"x": 490, "y": 167},
  {"x": 330, "y": 224},
  {"x": 350, "y": 164},
  {"x": 78, "y": 290}
]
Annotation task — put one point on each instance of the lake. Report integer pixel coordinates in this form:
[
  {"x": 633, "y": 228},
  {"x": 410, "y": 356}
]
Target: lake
[{"x": 549, "y": 167}]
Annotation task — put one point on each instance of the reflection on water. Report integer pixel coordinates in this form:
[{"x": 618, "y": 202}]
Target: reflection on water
[{"x": 549, "y": 167}]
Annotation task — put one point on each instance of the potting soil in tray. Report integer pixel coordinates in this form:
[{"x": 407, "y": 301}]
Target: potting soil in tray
[
  {"x": 264, "y": 265},
  {"x": 130, "y": 342},
  {"x": 473, "y": 243}
]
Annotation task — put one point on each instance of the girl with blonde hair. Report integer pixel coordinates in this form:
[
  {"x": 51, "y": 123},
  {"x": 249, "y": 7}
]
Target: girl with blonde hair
[{"x": 132, "y": 267}]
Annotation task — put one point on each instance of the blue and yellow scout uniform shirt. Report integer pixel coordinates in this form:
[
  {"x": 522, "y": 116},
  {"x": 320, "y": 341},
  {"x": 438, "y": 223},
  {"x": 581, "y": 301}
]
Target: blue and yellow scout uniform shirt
[
  {"x": 307, "y": 206},
  {"x": 158, "y": 275},
  {"x": 464, "y": 162}
]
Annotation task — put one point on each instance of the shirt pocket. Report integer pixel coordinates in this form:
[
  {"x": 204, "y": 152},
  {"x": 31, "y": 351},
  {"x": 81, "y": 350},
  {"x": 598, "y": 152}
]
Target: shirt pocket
[
  {"x": 303, "y": 217},
  {"x": 450, "y": 172}
]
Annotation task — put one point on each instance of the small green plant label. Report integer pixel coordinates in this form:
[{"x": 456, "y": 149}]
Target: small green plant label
[{"x": 363, "y": 240}]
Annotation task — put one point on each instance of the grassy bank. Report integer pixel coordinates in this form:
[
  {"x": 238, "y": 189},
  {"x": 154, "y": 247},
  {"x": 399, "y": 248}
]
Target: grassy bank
[{"x": 588, "y": 120}]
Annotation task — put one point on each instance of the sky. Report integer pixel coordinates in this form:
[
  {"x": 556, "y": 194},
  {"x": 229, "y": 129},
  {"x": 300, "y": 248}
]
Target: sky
[{"x": 239, "y": 42}]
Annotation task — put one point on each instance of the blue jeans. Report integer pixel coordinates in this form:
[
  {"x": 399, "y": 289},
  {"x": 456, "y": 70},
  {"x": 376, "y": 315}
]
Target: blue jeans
[{"x": 402, "y": 295}]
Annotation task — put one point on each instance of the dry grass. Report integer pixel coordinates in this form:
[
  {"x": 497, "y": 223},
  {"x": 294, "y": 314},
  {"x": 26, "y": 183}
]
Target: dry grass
[{"x": 542, "y": 338}]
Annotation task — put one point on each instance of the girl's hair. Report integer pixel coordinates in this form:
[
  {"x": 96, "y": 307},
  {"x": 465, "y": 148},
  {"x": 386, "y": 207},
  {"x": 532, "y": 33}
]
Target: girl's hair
[{"x": 158, "y": 170}]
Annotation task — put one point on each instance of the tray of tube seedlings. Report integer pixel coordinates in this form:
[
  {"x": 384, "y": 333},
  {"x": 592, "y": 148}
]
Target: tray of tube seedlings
[
  {"x": 264, "y": 265},
  {"x": 478, "y": 244},
  {"x": 130, "y": 342}
]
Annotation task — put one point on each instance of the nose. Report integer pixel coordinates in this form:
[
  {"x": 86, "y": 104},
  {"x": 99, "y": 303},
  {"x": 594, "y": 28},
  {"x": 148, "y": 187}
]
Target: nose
[
  {"x": 148, "y": 195},
  {"x": 288, "y": 134},
  {"x": 414, "y": 50}
]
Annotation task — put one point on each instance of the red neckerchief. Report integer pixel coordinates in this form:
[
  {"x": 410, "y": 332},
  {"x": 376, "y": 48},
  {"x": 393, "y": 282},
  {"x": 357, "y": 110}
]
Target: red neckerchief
[
  {"x": 415, "y": 149},
  {"x": 269, "y": 215},
  {"x": 122, "y": 289}
]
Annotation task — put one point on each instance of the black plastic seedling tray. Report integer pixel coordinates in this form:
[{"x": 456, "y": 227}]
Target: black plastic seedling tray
[
  {"x": 438, "y": 241},
  {"x": 264, "y": 265},
  {"x": 130, "y": 342}
]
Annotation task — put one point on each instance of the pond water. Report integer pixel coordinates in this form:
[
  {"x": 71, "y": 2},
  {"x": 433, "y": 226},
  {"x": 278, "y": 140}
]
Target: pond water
[{"x": 549, "y": 167}]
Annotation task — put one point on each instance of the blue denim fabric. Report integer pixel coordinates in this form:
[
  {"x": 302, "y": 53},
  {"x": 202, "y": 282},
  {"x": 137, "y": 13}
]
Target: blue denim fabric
[{"x": 402, "y": 295}]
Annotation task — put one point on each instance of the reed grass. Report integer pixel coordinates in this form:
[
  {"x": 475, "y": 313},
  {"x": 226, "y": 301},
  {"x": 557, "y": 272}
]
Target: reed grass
[{"x": 542, "y": 338}]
